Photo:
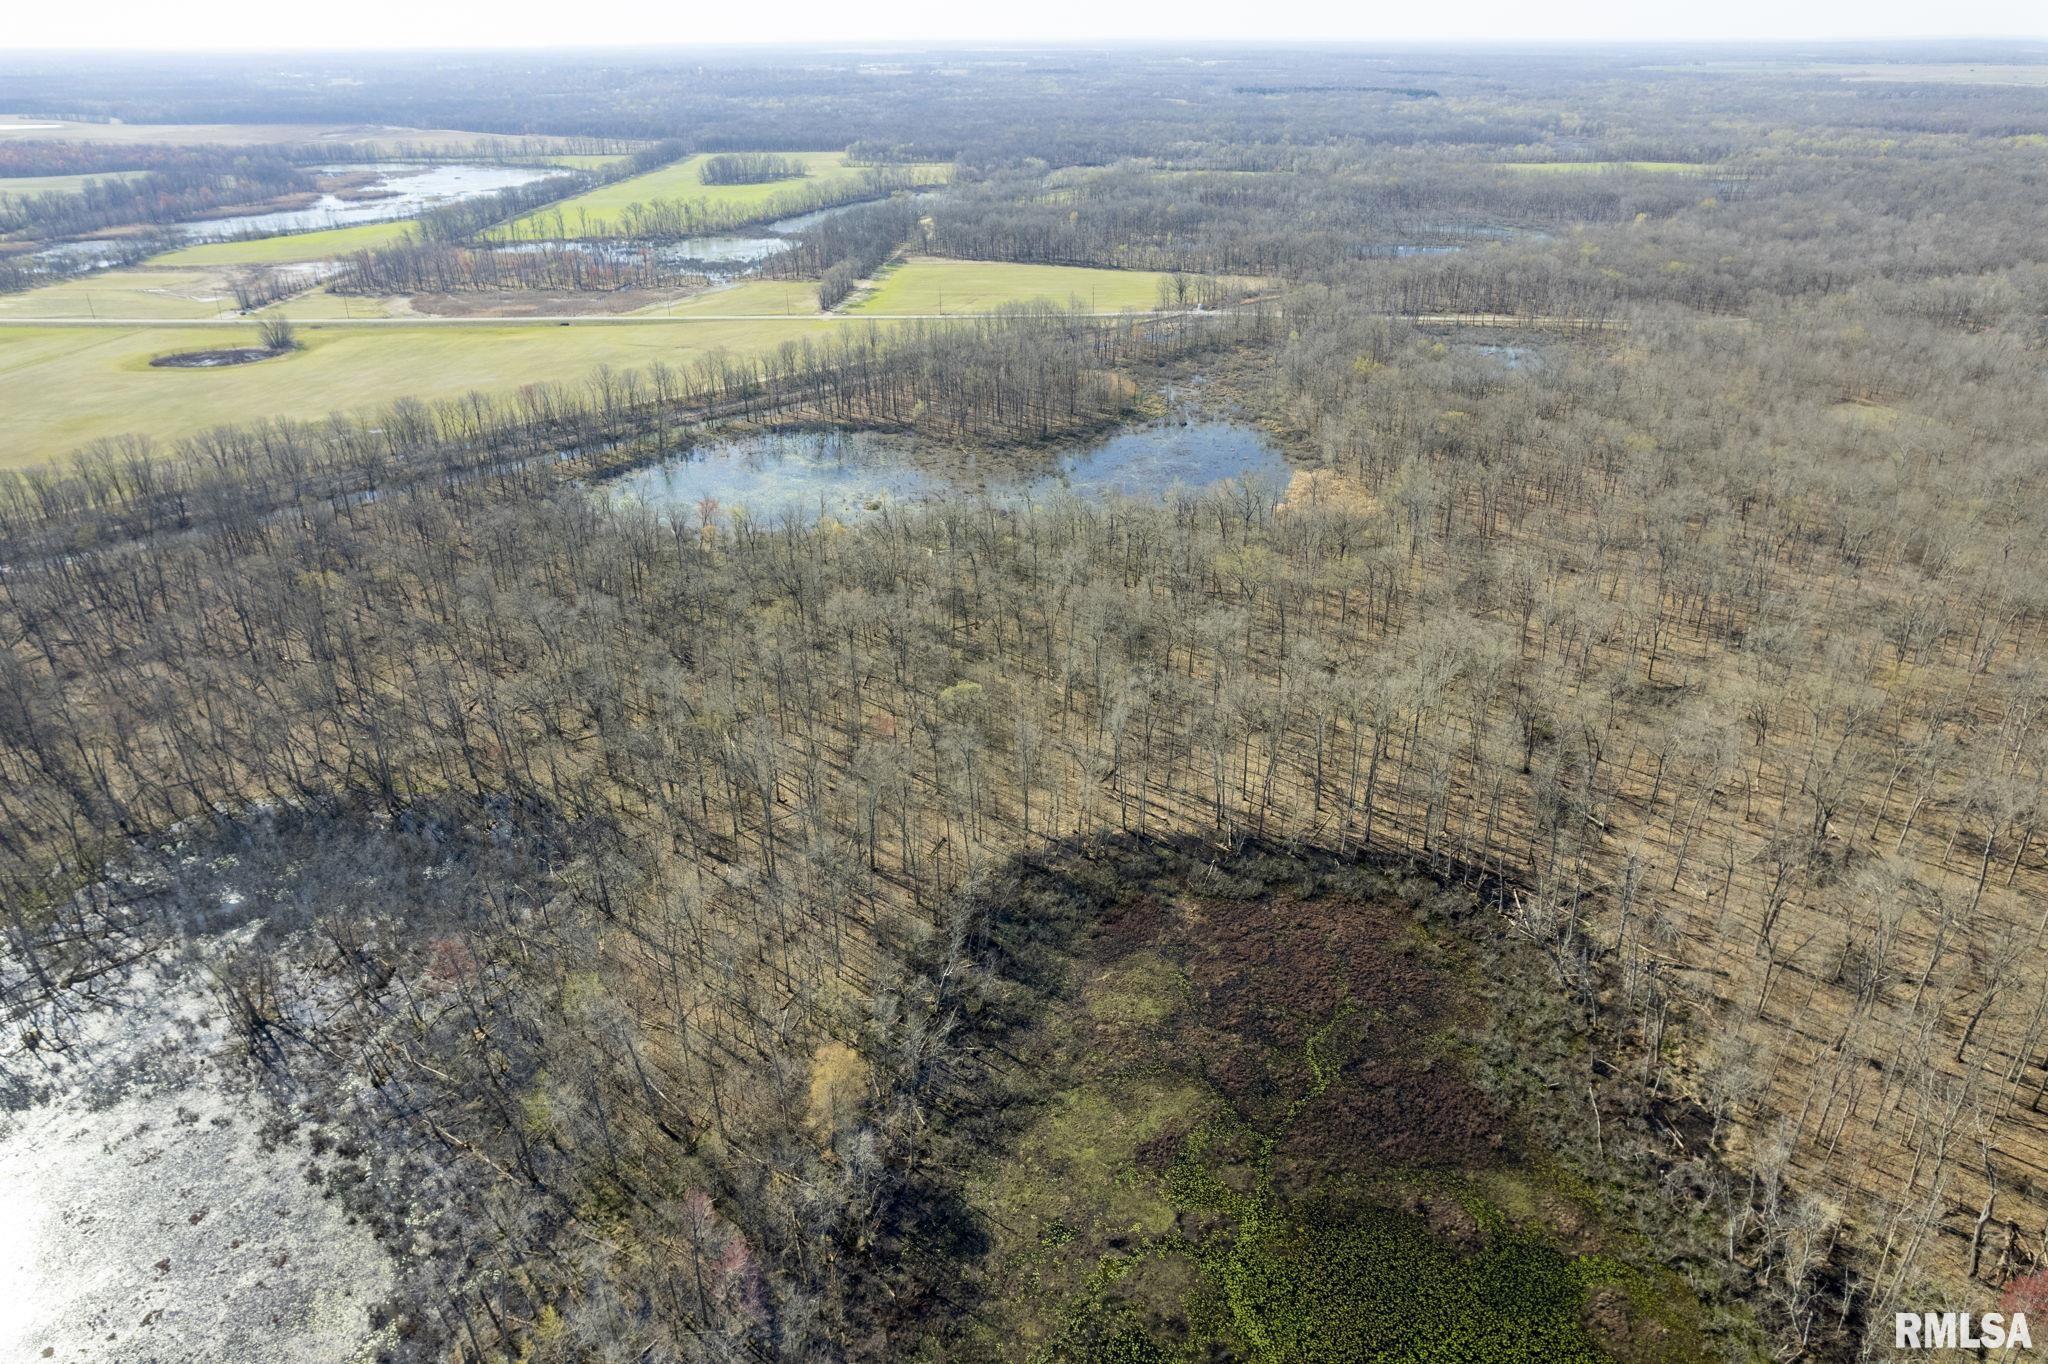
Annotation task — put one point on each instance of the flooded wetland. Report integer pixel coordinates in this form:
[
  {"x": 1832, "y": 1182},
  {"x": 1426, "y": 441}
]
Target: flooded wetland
[{"x": 803, "y": 476}]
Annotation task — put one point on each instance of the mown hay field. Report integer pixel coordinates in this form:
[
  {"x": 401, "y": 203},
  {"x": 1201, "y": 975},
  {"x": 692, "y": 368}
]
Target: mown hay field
[
  {"x": 294, "y": 247},
  {"x": 29, "y": 186},
  {"x": 63, "y": 386},
  {"x": 932, "y": 285}
]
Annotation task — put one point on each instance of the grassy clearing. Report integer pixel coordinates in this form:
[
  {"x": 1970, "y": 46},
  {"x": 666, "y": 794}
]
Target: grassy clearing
[
  {"x": 199, "y": 292},
  {"x": 753, "y": 297},
  {"x": 28, "y": 186},
  {"x": 136, "y": 293},
  {"x": 63, "y": 386},
  {"x": 602, "y": 209},
  {"x": 317, "y": 304},
  {"x": 1569, "y": 167},
  {"x": 926, "y": 284},
  {"x": 299, "y": 246}
]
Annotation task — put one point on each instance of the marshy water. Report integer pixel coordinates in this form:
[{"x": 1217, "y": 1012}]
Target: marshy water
[
  {"x": 85, "y": 255},
  {"x": 720, "y": 255},
  {"x": 403, "y": 190},
  {"x": 804, "y": 475}
]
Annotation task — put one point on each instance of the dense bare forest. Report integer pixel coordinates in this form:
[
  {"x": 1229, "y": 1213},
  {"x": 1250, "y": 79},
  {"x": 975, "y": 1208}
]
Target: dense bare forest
[{"x": 1575, "y": 846}]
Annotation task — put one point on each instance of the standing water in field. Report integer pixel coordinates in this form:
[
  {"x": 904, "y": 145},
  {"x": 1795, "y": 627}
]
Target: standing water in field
[
  {"x": 802, "y": 475},
  {"x": 720, "y": 257},
  {"x": 400, "y": 191}
]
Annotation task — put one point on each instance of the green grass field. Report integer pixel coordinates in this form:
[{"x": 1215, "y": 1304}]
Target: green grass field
[
  {"x": 1566, "y": 167},
  {"x": 63, "y": 386},
  {"x": 300, "y": 246},
  {"x": 927, "y": 284},
  {"x": 601, "y": 209},
  {"x": 176, "y": 293},
  {"x": 317, "y": 304},
  {"x": 774, "y": 297},
  {"x": 197, "y": 292},
  {"x": 28, "y": 186}
]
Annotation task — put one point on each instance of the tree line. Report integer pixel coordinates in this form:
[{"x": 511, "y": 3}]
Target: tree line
[{"x": 749, "y": 168}]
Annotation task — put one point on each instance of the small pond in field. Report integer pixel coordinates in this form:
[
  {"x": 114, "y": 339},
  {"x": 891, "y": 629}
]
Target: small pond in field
[
  {"x": 398, "y": 190},
  {"x": 801, "y": 475}
]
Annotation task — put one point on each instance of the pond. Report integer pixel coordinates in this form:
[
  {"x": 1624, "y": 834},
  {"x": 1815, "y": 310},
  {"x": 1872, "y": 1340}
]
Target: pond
[
  {"x": 1151, "y": 461},
  {"x": 721, "y": 257},
  {"x": 404, "y": 190},
  {"x": 802, "y": 475},
  {"x": 731, "y": 253}
]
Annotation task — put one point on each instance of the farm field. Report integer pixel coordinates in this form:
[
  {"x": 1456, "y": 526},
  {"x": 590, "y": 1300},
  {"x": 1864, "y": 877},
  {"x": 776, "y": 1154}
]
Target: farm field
[
  {"x": 774, "y": 297},
  {"x": 28, "y": 186},
  {"x": 64, "y": 386},
  {"x": 199, "y": 292},
  {"x": 602, "y": 210},
  {"x": 930, "y": 284},
  {"x": 318, "y": 304},
  {"x": 300, "y": 246},
  {"x": 137, "y": 293}
]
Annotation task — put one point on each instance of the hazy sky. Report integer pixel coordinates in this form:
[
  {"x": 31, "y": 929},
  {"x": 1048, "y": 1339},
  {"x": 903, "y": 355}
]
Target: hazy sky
[{"x": 519, "y": 23}]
